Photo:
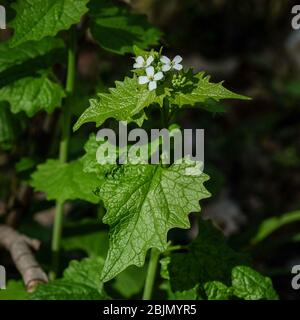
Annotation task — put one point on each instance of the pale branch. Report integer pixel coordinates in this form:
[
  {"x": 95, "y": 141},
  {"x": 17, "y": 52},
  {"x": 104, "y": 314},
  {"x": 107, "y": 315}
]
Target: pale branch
[{"x": 20, "y": 248}]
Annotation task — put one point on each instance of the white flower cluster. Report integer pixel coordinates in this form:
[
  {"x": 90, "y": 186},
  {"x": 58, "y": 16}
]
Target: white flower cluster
[{"x": 151, "y": 76}]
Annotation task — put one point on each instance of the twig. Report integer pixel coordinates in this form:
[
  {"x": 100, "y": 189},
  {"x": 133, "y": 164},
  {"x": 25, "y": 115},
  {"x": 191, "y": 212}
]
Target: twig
[{"x": 19, "y": 247}]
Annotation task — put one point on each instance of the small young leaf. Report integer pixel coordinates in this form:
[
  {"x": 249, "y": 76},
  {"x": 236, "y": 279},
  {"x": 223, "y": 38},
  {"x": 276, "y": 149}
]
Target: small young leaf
[
  {"x": 198, "y": 88},
  {"x": 248, "y": 284},
  {"x": 33, "y": 94},
  {"x": 270, "y": 225},
  {"x": 41, "y": 18},
  {"x": 124, "y": 102},
  {"x": 65, "y": 181},
  {"x": 118, "y": 30},
  {"x": 143, "y": 203}
]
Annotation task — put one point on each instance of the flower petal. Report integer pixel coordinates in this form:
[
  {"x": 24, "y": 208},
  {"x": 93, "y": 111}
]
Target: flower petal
[
  {"x": 158, "y": 76},
  {"x": 152, "y": 85},
  {"x": 137, "y": 66},
  {"x": 143, "y": 80},
  {"x": 149, "y": 61},
  {"x": 150, "y": 71},
  {"x": 177, "y": 59},
  {"x": 177, "y": 66},
  {"x": 165, "y": 60},
  {"x": 140, "y": 60},
  {"x": 166, "y": 67}
]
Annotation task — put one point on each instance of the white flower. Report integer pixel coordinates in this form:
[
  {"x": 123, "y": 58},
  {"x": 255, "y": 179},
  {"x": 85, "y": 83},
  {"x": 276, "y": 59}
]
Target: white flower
[
  {"x": 151, "y": 78},
  {"x": 140, "y": 62},
  {"x": 168, "y": 64}
]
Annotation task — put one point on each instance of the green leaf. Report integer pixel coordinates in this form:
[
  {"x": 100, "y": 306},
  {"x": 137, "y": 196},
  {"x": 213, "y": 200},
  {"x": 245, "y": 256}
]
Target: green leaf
[
  {"x": 14, "y": 291},
  {"x": 191, "y": 294},
  {"x": 248, "y": 284},
  {"x": 93, "y": 243},
  {"x": 65, "y": 181},
  {"x": 8, "y": 127},
  {"x": 81, "y": 281},
  {"x": 23, "y": 82},
  {"x": 25, "y": 164},
  {"x": 65, "y": 290},
  {"x": 208, "y": 258},
  {"x": 125, "y": 102},
  {"x": 216, "y": 290},
  {"x": 198, "y": 88},
  {"x": 131, "y": 281},
  {"x": 86, "y": 271},
  {"x": 33, "y": 94},
  {"x": 270, "y": 225},
  {"x": 91, "y": 165},
  {"x": 41, "y": 18},
  {"x": 143, "y": 203},
  {"x": 214, "y": 107},
  {"x": 89, "y": 160},
  {"x": 116, "y": 29},
  {"x": 35, "y": 54}
]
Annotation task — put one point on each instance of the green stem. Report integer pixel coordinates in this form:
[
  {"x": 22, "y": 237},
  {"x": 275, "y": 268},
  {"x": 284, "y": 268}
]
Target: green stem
[
  {"x": 151, "y": 274},
  {"x": 63, "y": 151},
  {"x": 175, "y": 248}
]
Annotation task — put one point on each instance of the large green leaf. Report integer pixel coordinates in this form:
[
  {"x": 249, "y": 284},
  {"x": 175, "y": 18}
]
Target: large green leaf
[
  {"x": 65, "y": 181},
  {"x": 143, "y": 203},
  {"x": 23, "y": 81},
  {"x": 198, "y": 88},
  {"x": 29, "y": 52},
  {"x": 118, "y": 30},
  {"x": 33, "y": 94},
  {"x": 81, "y": 281},
  {"x": 208, "y": 258},
  {"x": 125, "y": 102},
  {"x": 36, "y": 19}
]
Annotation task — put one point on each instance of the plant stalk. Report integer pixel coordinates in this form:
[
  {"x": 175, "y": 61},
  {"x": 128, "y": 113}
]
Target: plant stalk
[
  {"x": 150, "y": 279},
  {"x": 63, "y": 150}
]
